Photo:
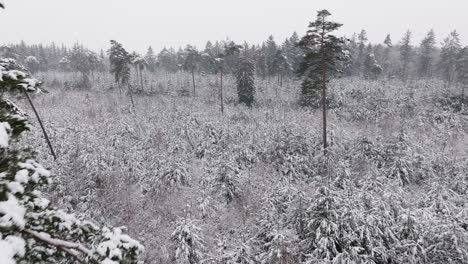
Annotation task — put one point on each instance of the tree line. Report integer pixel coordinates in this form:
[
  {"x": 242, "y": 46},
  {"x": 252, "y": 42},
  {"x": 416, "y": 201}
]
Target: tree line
[{"x": 402, "y": 59}]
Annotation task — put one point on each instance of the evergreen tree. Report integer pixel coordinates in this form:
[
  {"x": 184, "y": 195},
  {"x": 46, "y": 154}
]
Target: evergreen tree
[
  {"x": 386, "y": 57},
  {"x": 323, "y": 54},
  {"x": 188, "y": 242},
  {"x": 406, "y": 53},
  {"x": 140, "y": 65},
  {"x": 426, "y": 57},
  {"x": 32, "y": 64},
  {"x": 82, "y": 61},
  {"x": 448, "y": 57},
  {"x": 462, "y": 68},
  {"x": 262, "y": 66},
  {"x": 191, "y": 62},
  {"x": 294, "y": 53},
  {"x": 361, "y": 51},
  {"x": 246, "y": 81},
  {"x": 372, "y": 69},
  {"x": 205, "y": 61},
  {"x": 281, "y": 66},
  {"x": 167, "y": 60},
  {"x": 270, "y": 52},
  {"x": 219, "y": 62},
  {"x": 120, "y": 60},
  {"x": 64, "y": 64},
  {"x": 150, "y": 59},
  {"x": 349, "y": 69}
]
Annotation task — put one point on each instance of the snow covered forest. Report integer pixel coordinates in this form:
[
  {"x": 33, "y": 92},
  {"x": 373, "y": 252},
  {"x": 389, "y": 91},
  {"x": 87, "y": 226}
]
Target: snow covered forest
[{"x": 317, "y": 148}]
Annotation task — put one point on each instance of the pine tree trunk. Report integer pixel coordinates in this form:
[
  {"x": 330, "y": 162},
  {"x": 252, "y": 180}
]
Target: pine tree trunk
[
  {"x": 131, "y": 95},
  {"x": 324, "y": 92},
  {"x": 141, "y": 79},
  {"x": 221, "y": 93},
  {"x": 193, "y": 82}
]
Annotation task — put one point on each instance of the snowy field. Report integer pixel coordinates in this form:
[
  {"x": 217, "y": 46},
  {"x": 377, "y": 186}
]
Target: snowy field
[{"x": 250, "y": 182}]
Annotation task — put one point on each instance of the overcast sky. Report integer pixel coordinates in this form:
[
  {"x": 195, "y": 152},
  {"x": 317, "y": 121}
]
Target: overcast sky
[{"x": 141, "y": 23}]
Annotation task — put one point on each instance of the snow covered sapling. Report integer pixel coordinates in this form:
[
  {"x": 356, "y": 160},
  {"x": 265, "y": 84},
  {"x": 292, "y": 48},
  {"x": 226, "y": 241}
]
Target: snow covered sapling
[
  {"x": 32, "y": 63},
  {"x": 30, "y": 230},
  {"x": 323, "y": 54},
  {"x": 448, "y": 57},
  {"x": 246, "y": 81},
  {"x": 188, "y": 242}
]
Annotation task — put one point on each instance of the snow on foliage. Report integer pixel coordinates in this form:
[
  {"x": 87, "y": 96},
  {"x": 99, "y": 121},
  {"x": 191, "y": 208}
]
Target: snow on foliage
[{"x": 30, "y": 230}]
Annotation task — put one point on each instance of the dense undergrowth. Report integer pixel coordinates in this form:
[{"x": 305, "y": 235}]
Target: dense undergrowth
[{"x": 253, "y": 185}]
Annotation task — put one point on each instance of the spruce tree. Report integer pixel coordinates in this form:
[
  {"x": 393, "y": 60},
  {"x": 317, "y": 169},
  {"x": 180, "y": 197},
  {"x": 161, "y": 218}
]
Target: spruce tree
[
  {"x": 246, "y": 81},
  {"x": 294, "y": 53},
  {"x": 406, "y": 52},
  {"x": 323, "y": 54},
  {"x": 386, "y": 57},
  {"x": 448, "y": 58},
  {"x": 426, "y": 57},
  {"x": 261, "y": 66},
  {"x": 361, "y": 51},
  {"x": 150, "y": 59}
]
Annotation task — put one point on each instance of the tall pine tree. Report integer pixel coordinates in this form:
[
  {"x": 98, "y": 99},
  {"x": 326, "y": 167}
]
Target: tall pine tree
[
  {"x": 245, "y": 76},
  {"x": 406, "y": 52},
  {"x": 426, "y": 57},
  {"x": 324, "y": 53},
  {"x": 448, "y": 58}
]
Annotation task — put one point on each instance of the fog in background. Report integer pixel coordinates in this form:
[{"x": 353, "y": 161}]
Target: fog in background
[{"x": 141, "y": 23}]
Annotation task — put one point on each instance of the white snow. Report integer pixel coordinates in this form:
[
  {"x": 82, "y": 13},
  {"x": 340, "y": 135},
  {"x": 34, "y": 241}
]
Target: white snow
[
  {"x": 108, "y": 261},
  {"x": 15, "y": 187},
  {"x": 4, "y": 138},
  {"x": 13, "y": 213},
  {"x": 41, "y": 202},
  {"x": 22, "y": 176},
  {"x": 10, "y": 247}
]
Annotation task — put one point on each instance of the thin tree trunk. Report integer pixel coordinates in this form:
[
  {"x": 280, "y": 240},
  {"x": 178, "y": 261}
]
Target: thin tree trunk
[
  {"x": 40, "y": 123},
  {"x": 193, "y": 82},
  {"x": 324, "y": 92},
  {"x": 221, "y": 93},
  {"x": 141, "y": 79},
  {"x": 281, "y": 80},
  {"x": 131, "y": 95}
]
